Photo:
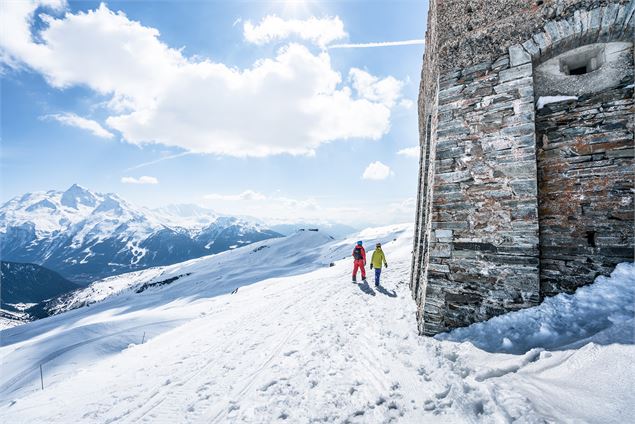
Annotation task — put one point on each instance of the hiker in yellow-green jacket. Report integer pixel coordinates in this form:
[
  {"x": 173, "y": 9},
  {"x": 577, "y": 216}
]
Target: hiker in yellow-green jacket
[{"x": 376, "y": 262}]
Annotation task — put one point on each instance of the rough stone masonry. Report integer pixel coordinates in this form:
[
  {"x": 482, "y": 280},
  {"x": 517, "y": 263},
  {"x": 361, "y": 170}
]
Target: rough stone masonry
[{"x": 526, "y": 180}]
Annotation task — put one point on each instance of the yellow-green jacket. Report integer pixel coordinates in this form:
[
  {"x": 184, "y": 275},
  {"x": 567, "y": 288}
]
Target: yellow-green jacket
[{"x": 378, "y": 258}]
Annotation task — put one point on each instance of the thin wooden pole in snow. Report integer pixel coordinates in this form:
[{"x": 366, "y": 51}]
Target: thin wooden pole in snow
[
  {"x": 41, "y": 377},
  {"x": 144, "y": 337}
]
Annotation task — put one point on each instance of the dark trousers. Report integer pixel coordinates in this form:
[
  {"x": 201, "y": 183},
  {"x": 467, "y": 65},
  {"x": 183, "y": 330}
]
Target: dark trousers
[{"x": 377, "y": 275}]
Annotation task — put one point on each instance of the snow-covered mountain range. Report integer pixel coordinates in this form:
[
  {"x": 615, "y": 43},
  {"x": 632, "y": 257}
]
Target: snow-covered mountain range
[{"x": 86, "y": 236}]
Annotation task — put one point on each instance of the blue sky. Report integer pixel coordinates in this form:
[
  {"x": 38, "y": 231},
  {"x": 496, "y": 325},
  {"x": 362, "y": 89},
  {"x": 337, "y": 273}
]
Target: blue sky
[{"x": 244, "y": 107}]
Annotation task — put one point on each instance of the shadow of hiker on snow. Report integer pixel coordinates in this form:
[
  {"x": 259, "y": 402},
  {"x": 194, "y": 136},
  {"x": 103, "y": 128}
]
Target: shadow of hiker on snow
[
  {"x": 363, "y": 286},
  {"x": 381, "y": 289}
]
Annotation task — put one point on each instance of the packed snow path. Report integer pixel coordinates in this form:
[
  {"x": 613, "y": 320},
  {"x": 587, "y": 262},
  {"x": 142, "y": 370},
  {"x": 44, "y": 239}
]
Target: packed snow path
[{"x": 316, "y": 348}]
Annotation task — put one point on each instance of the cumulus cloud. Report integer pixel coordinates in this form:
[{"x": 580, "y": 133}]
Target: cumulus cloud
[
  {"x": 385, "y": 91},
  {"x": 411, "y": 152},
  {"x": 320, "y": 31},
  {"x": 377, "y": 171},
  {"x": 156, "y": 95},
  {"x": 141, "y": 180},
  {"x": 73, "y": 120},
  {"x": 245, "y": 195}
]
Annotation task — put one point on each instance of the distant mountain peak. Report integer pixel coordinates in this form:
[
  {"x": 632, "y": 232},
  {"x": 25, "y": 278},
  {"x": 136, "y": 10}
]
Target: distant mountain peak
[{"x": 77, "y": 195}]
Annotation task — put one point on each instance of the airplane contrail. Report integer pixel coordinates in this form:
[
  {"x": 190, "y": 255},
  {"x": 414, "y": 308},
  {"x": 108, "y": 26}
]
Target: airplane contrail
[{"x": 376, "y": 44}]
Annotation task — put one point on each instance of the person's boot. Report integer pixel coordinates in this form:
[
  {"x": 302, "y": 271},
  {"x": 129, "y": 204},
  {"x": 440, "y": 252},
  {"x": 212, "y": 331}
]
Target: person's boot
[{"x": 354, "y": 279}]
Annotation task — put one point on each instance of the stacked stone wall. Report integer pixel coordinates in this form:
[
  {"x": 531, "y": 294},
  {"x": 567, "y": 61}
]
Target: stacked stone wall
[
  {"x": 485, "y": 243},
  {"x": 484, "y": 233},
  {"x": 427, "y": 108},
  {"x": 585, "y": 174}
]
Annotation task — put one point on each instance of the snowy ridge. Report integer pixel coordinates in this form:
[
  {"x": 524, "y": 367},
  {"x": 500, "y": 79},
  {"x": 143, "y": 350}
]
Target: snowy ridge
[
  {"x": 301, "y": 252},
  {"x": 300, "y": 343}
]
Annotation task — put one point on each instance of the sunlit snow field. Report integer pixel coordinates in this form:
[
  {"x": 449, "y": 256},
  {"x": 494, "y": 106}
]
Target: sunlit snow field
[{"x": 297, "y": 342}]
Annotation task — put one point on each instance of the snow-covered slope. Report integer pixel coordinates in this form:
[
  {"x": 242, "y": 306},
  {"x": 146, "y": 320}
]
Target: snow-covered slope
[
  {"x": 85, "y": 235},
  {"x": 297, "y": 343}
]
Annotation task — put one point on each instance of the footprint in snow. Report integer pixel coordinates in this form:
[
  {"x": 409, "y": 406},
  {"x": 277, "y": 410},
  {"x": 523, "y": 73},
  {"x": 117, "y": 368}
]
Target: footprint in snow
[
  {"x": 266, "y": 387},
  {"x": 393, "y": 405},
  {"x": 443, "y": 393}
]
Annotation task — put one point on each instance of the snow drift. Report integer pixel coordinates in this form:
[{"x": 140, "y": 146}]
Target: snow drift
[{"x": 601, "y": 313}]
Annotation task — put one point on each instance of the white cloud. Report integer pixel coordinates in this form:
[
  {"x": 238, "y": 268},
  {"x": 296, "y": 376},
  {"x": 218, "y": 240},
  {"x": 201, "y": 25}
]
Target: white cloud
[
  {"x": 245, "y": 195},
  {"x": 141, "y": 180},
  {"x": 377, "y": 171},
  {"x": 385, "y": 91},
  {"x": 272, "y": 28},
  {"x": 377, "y": 44},
  {"x": 159, "y": 96},
  {"x": 73, "y": 120},
  {"x": 411, "y": 152},
  {"x": 214, "y": 109}
]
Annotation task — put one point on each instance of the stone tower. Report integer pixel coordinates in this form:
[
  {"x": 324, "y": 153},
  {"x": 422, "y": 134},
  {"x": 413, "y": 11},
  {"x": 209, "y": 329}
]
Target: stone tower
[{"x": 526, "y": 182}]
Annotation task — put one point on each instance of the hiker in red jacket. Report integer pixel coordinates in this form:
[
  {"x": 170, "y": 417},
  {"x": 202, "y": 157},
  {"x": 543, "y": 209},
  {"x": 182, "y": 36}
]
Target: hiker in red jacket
[{"x": 359, "y": 261}]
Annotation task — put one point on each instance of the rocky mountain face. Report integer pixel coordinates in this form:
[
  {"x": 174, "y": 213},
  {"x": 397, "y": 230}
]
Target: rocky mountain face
[{"x": 86, "y": 236}]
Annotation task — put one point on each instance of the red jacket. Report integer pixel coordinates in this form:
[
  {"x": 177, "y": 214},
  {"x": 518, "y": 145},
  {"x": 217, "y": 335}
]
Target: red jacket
[{"x": 363, "y": 252}]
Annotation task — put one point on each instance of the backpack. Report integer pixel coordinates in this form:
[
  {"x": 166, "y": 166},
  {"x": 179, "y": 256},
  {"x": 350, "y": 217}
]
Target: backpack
[{"x": 357, "y": 253}]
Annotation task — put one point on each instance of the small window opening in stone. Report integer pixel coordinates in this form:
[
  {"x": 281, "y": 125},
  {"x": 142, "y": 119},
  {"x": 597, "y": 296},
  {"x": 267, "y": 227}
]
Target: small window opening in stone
[
  {"x": 583, "y": 61},
  {"x": 590, "y": 238},
  {"x": 578, "y": 71}
]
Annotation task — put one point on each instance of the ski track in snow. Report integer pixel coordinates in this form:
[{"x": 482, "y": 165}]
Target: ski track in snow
[{"x": 316, "y": 348}]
